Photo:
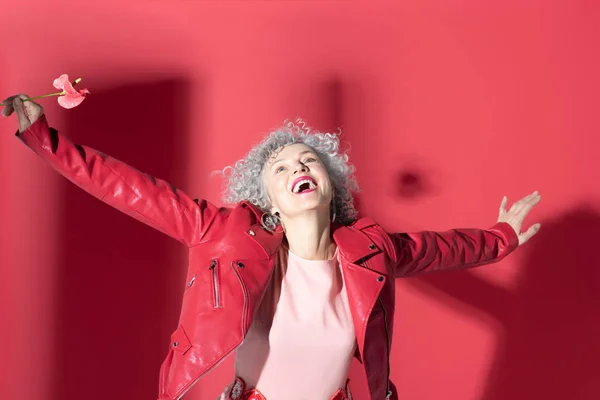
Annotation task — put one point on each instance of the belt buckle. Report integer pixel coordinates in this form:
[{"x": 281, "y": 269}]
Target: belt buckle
[{"x": 237, "y": 390}]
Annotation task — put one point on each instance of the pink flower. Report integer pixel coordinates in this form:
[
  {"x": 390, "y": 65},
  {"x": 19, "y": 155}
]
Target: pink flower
[{"x": 69, "y": 97}]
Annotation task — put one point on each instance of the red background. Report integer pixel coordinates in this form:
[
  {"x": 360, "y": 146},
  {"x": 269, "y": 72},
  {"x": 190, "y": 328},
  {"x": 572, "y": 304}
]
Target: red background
[{"x": 447, "y": 105}]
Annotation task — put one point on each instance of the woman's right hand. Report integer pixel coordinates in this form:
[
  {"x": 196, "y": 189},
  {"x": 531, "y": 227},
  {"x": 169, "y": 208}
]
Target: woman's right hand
[{"x": 27, "y": 111}]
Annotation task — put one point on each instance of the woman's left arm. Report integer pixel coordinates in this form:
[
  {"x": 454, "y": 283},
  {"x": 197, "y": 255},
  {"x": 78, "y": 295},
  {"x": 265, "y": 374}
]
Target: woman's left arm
[{"x": 421, "y": 252}]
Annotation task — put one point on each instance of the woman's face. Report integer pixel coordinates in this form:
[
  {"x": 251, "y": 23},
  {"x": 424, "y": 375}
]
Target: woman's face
[{"x": 296, "y": 181}]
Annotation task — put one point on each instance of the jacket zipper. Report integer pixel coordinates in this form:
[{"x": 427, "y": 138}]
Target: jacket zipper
[
  {"x": 215, "y": 281},
  {"x": 191, "y": 385},
  {"x": 244, "y": 310},
  {"x": 191, "y": 282}
]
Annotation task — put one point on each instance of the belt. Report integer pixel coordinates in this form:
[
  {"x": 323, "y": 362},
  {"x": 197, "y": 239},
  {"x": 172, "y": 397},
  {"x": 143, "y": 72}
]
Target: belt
[{"x": 237, "y": 391}]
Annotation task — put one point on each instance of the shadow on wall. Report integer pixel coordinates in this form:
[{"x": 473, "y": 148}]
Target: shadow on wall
[
  {"x": 119, "y": 280},
  {"x": 413, "y": 183},
  {"x": 547, "y": 347}
]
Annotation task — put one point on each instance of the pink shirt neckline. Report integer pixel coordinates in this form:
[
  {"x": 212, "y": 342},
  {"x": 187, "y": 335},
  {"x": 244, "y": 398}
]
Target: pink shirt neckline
[{"x": 302, "y": 339}]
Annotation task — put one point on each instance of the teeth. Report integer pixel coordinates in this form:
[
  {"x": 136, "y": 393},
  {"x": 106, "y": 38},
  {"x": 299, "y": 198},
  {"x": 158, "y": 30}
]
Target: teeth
[{"x": 311, "y": 185}]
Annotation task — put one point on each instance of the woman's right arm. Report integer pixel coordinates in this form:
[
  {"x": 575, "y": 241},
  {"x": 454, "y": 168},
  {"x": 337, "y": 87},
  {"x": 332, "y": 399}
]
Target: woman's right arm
[{"x": 149, "y": 200}]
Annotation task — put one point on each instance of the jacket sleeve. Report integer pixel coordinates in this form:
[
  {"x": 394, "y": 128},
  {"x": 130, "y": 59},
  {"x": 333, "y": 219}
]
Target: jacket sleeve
[
  {"x": 141, "y": 196},
  {"x": 422, "y": 252}
]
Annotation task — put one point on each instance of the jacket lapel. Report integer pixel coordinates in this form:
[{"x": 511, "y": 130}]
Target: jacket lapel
[{"x": 363, "y": 284}]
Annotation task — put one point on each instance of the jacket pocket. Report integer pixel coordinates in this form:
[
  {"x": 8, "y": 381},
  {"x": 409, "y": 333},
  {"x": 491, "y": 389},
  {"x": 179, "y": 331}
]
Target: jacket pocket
[{"x": 179, "y": 345}]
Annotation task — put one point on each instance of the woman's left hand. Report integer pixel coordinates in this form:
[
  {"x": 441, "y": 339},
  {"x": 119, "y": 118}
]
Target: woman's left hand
[{"x": 517, "y": 213}]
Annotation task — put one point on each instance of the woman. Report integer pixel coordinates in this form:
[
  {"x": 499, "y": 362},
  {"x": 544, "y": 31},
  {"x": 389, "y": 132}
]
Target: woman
[{"x": 287, "y": 277}]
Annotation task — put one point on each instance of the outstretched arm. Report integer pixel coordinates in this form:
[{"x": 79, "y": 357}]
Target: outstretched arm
[
  {"x": 150, "y": 200},
  {"x": 421, "y": 252}
]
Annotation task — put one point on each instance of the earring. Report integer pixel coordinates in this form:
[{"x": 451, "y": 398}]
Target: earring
[{"x": 270, "y": 221}]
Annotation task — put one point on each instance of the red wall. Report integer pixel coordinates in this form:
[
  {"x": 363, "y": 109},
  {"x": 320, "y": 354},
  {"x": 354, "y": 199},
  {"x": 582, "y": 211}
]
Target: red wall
[{"x": 448, "y": 106}]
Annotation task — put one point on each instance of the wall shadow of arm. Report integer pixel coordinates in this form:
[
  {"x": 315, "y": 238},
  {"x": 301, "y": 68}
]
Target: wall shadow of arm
[
  {"x": 550, "y": 347},
  {"x": 464, "y": 290}
]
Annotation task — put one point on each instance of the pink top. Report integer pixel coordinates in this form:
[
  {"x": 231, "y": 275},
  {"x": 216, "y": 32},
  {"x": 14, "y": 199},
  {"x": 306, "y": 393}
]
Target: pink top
[{"x": 302, "y": 341}]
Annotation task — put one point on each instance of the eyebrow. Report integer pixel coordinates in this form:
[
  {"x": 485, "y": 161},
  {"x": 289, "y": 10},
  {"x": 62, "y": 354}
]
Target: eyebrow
[{"x": 301, "y": 153}]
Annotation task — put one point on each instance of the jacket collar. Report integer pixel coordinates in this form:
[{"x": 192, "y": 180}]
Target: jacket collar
[
  {"x": 269, "y": 241},
  {"x": 353, "y": 243}
]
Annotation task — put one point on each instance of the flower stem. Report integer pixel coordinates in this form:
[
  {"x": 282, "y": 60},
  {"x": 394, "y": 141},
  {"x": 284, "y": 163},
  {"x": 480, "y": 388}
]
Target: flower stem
[
  {"x": 45, "y": 95},
  {"x": 75, "y": 82}
]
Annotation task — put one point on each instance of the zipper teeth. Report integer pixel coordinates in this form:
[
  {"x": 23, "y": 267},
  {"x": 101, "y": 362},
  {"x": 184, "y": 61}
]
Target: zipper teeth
[
  {"x": 215, "y": 278},
  {"x": 244, "y": 310}
]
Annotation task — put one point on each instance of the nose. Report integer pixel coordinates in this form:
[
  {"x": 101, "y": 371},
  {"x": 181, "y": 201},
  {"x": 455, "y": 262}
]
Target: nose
[{"x": 300, "y": 168}]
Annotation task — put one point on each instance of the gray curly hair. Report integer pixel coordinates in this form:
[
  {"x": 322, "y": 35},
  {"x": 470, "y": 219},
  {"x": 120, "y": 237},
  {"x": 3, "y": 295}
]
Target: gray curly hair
[{"x": 245, "y": 180}]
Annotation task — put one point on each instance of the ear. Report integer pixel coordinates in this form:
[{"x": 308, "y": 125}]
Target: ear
[{"x": 270, "y": 206}]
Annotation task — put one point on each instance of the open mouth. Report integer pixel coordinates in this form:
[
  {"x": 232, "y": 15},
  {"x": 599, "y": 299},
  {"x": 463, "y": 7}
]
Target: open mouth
[{"x": 304, "y": 185}]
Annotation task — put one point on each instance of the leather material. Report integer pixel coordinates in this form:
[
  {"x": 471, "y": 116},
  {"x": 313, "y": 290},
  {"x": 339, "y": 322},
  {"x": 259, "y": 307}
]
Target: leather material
[{"x": 231, "y": 258}]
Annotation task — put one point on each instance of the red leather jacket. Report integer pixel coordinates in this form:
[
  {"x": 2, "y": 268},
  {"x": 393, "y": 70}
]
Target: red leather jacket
[{"x": 231, "y": 258}]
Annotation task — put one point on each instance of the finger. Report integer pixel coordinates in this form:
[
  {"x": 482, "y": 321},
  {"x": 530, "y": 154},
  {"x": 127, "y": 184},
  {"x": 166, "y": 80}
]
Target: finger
[
  {"x": 21, "y": 114},
  {"x": 527, "y": 199},
  {"x": 32, "y": 109},
  {"x": 8, "y": 101},
  {"x": 8, "y": 106},
  {"x": 7, "y": 110},
  {"x": 533, "y": 229},
  {"x": 531, "y": 195},
  {"x": 503, "y": 205},
  {"x": 527, "y": 206},
  {"x": 517, "y": 205},
  {"x": 535, "y": 199}
]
